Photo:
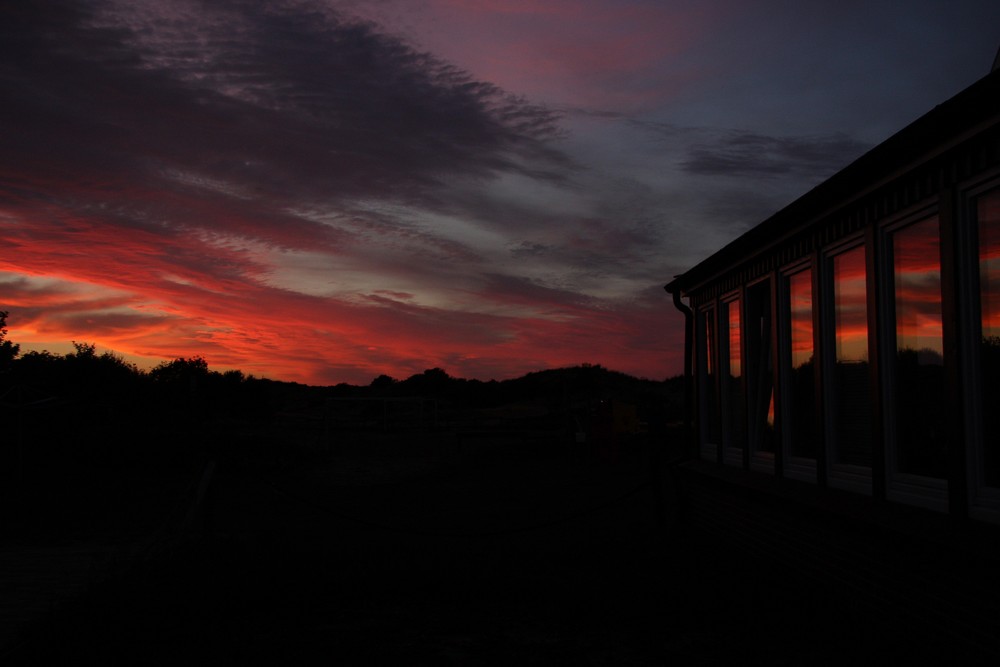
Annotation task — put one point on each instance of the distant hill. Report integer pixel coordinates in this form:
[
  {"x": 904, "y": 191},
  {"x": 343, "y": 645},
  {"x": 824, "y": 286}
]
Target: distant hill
[{"x": 558, "y": 389}]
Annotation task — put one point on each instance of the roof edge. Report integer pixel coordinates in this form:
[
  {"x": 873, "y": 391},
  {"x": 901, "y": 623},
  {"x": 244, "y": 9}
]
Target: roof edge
[{"x": 978, "y": 106}]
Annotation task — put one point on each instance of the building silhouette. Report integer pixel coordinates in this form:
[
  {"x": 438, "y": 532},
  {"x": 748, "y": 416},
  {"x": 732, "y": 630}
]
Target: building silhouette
[{"x": 843, "y": 359}]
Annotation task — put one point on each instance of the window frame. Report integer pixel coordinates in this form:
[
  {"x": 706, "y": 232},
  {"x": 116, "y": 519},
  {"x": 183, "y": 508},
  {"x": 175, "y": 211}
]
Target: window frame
[
  {"x": 909, "y": 488},
  {"x": 729, "y": 455},
  {"x": 709, "y": 450},
  {"x": 797, "y": 467},
  {"x": 846, "y": 476},
  {"x": 983, "y": 499},
  {"x": 763, "y": 461}
]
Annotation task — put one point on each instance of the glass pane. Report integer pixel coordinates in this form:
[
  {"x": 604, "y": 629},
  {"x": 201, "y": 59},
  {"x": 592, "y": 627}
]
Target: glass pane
[
  {"x": 800, "y": 403},
  {"x": 735, "y": 403},
  {"x": 988, "y": 211},
  {"x": 850, "y": 400},
  {"x": 711, "y": 427},
  {"x": 760, "y": 367},
  {"x": 919, "y": 400}
]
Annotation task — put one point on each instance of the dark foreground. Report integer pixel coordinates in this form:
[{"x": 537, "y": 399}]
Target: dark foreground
[{"x": 501, "y": 555}]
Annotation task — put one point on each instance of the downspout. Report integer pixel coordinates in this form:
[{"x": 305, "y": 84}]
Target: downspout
[{"x": 688, "y": 378}]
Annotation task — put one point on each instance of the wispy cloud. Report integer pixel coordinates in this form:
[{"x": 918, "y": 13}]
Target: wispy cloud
[{"x": 740, "y": 153}]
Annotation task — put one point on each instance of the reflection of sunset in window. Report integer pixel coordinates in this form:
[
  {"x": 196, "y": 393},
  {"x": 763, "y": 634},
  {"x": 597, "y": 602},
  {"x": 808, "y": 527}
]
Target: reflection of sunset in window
[
  {"x": 850, "y": 396},
  {"x": 734, "y": 339},
  {"x": 709, "y": 329},
  {"x": 734, "y": 405},
  {"x": 989, "y": 262},
  {"x": 799, "y": 418},
  {"x": 920, "y": 434},
  {"x": 917, "y": 275},
  {"x": 988, "y": 213},
  {"x": 800, "y": 315},
  {"x": 850, "y": 306}
]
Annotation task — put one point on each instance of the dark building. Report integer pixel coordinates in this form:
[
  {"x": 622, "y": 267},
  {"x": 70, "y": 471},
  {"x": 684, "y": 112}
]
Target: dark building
[
  {"x": 852, "y": 339},
  {"x": 844, "y": 365}
]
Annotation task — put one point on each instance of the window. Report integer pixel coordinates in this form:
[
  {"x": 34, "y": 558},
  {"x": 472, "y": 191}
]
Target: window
[
  {"x": 918, "y": 380},
  {"x": 987, "y": 211},
  {"x": 760, "y": 375},
  {"x": 798, "y": 425},
  {"x": 734, "y": 399},
  {"x": 849, "y": 408},
  {"x": 710, "y": 426},
  {"x": 914, "y": 372}
]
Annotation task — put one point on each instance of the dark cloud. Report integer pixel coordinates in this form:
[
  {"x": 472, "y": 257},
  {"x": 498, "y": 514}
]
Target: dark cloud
[
  {"x": 527, "y": 249},
  {"x": 737, "y": 153},
  {"x": 709, "y": 151},
  {"x": 518, "y": 290},
  {"x": 107, "y": 324},
  {"x": 398, "y": 296},
  {"x": 275, "y": 105}
]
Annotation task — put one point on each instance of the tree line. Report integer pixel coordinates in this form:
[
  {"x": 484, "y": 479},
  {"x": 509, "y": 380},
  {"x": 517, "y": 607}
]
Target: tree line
[{"x": 188, "y": 389}]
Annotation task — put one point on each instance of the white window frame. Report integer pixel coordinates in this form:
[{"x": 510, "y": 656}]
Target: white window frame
[
  {"x": 759, "y": 460},
  {"x": 709, "y": 450},
  {"x": 793, "y": 467},
  {"x": 984, "y": 500},
  {"x": 731, "y": 456},
  {"x": 911, "y": 489},
  {"x": 845, "y": 476}
]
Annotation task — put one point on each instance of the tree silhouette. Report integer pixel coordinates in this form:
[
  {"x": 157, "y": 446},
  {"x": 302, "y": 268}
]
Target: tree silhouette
[
  {"x": 181, "y": 371},
  {"x": 8, "y": 350},
  {"x": 432, "y": 382},
  {"x": 383, "y": 383}
]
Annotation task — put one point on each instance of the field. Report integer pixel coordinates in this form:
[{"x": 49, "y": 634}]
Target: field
[{"x": 438, "y": 548}]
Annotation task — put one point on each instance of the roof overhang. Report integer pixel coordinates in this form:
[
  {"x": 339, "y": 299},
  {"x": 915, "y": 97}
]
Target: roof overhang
[{"x": 964, "y": 116}]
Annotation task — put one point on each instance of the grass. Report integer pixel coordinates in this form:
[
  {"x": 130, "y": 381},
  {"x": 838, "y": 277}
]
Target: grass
[{"x": 500, "y": 555}]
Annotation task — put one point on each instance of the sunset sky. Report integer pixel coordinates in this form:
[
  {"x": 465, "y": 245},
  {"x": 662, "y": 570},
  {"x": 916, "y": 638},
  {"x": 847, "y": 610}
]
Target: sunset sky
[{"x": 325, "y": 191}]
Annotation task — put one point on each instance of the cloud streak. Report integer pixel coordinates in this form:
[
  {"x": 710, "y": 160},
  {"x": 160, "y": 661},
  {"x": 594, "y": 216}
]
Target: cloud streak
[{"x": 736, "y": 153}]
